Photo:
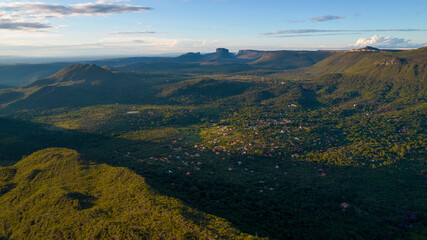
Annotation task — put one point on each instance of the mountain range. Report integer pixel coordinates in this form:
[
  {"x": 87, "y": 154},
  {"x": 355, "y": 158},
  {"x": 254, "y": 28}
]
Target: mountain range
[
  {"x": 252, "y": 145},
  {"x": 87, "y": 84},
  {"x": 222, "y": 61}
]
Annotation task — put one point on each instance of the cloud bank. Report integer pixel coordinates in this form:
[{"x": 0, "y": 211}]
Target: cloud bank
[{"x": 385, "y": 42}]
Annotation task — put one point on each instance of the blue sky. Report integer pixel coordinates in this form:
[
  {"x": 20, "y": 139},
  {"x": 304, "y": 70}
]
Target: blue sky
[{"x": 124, "y": 28}]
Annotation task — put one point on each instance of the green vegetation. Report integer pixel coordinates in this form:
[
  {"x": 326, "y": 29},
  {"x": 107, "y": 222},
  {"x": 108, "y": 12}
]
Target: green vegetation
[
  {"x": 403, "y": 65},
  {"x": 291, "y": 59},
  {"x": 332, "y": 151},
  {"x": 155, "y": 135},
  {"x": 54, "y": 194}
]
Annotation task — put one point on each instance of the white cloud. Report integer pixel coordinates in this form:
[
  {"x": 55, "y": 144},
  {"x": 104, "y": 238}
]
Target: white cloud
[
  {"x": 385, "y": 42},
  {"x": 30, "y": 15}
]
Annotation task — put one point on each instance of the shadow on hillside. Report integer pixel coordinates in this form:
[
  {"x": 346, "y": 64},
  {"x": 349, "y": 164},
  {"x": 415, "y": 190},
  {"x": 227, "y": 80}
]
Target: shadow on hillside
[{"x": 293, "y": 201}]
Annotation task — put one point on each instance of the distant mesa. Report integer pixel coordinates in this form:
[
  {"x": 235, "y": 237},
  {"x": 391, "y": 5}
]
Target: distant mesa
[
  {"x": 365, "y": 49},
  {"x": 220, "y": 54},
  {"x": 249, "y": 54},
  {"x": 222, "y": 51}
]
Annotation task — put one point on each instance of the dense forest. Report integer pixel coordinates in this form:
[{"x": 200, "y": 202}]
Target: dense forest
[{"x": 329, "y": 146}]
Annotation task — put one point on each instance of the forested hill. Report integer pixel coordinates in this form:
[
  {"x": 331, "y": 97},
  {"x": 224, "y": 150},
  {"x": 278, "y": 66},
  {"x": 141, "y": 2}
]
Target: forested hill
[
  {"x": 410, "y": 64},
  {"x": 54, "y": 194}
]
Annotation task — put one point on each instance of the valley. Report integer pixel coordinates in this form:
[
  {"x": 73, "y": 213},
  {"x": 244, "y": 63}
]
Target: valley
[{"x": 275, "y": 144}]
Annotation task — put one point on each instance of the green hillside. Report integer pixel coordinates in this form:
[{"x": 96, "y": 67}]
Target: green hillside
[
  {"x": 84, "y": 85},
  {"x": 290, "y": 59},
  {"x": 77, "y": 73},
  {"x": 408, "y": 64},
  {"x": 80, "y": 85},
  {"x": 54, "y": 194}
]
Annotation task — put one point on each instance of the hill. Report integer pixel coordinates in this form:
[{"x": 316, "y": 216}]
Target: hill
[
  {"x": 55, "y": 194},
  {"x": 77, "y": 85},
  {"x": 249, "y": 54},
  {"x": 77, "y": 73},
  {"x": 308, "y": 155},
  {"x": 220, "y": 55},
  {"x": 291, "y": 59},
  {"x": 84, "y": 85},
  {"x": 410, "y": 64},
  {"x": 366, "y": 49}
]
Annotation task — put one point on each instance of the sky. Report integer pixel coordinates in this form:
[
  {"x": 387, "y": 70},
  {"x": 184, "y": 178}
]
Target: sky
[{"x": 53, "y": 28}]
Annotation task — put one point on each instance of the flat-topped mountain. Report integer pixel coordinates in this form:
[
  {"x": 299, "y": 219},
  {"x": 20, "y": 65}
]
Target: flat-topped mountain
[
  {"x": 366, "y": 49},
  {"x": 249, "y": 54},
  {"x": 221, "y": 54}
]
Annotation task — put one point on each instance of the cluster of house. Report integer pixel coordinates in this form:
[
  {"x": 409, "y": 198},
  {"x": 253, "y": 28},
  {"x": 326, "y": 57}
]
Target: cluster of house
[{"x": 231, "y": 142}]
